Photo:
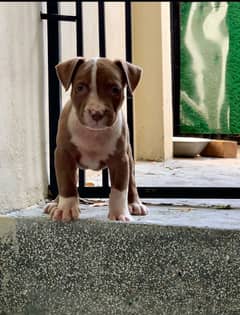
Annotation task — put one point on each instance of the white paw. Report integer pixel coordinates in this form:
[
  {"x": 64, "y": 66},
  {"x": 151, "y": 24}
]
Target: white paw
[
  {"x": 137, "y": 208},
  {"x": 67, "y": 209},
  {"x": 120, "y": 217},
  {"x": 118, "y": 209}
]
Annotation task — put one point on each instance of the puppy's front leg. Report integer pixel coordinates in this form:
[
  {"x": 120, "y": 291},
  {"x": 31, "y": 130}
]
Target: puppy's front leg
[
  {"x": 66, "y": 206},
  {"x": 134, "y": 203},
  {"x": 118, "y": 201}
]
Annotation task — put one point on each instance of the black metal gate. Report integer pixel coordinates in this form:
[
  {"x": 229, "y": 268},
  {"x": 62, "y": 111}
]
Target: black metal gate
[{"x": 53, "y": 19}]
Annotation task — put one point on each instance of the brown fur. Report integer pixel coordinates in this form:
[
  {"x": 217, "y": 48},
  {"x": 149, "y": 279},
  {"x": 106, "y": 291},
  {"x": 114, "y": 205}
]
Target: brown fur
[{"x": 111, "y": 78}]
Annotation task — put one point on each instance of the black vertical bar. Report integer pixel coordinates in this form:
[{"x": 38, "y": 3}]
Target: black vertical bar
[
  {"x": 53, "y": 89},
  {"x": 79, "y": 39},
  {"x": 128, "y": 32},
  {"x": 101, "y": 28},
  {"x": 79, "y": 26},
  {"x": 102, "y": 53},
  {"x": 175, "y": 43}
]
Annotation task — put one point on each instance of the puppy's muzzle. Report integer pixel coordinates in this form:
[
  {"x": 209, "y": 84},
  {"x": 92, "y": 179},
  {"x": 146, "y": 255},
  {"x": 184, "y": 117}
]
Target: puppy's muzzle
[{"x": 96, "y": 114}]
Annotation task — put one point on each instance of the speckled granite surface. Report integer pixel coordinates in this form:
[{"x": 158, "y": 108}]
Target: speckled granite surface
[{"x": 98, "y": 267}]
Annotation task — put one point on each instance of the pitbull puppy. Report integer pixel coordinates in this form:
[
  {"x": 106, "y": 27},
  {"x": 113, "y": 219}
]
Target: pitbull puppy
[{"x": 93, "y": 134}]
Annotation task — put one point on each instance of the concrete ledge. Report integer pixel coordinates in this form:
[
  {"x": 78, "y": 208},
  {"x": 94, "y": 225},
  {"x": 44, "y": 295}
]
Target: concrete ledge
[{"x": 98, "y": 267}]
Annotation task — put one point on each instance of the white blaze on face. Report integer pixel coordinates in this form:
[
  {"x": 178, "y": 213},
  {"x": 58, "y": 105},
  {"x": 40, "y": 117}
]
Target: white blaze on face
[
  {"x": 94, "y": 77},
  {"x": 94, "y": 104}
]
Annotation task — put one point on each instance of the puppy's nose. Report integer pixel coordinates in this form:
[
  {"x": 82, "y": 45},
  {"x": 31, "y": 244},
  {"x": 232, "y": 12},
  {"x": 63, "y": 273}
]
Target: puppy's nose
[{"x": 96, "y": 115}]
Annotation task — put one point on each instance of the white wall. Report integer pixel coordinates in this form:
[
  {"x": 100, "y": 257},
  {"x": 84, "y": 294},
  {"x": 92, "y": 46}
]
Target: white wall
[{"x": 23, "y": 172}]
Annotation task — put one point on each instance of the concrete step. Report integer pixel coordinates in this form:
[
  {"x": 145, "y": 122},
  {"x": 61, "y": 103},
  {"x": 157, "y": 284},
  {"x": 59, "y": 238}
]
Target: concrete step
[{"x": 178, "y": 260}]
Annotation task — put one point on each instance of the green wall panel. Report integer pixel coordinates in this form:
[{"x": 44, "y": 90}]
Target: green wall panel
[{"x": 210, "y": 62}]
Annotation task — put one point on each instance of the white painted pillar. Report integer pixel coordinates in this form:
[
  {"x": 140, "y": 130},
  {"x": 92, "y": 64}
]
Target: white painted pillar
[
  {"x": 23, "y": 171},
  {"x": 153, "y": 99}
]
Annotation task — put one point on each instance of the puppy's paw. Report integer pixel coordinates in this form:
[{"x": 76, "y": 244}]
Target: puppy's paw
[
  {"x": 118, "y": 209},
  {"x": 137, "y": 208},
  {"x": 124, "y": 217},
  {"x": 50, "y": 206},
  {"x": 67, "y": 209}
]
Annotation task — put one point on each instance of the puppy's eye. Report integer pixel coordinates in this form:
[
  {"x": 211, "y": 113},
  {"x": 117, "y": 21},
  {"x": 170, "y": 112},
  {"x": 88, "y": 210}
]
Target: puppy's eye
[
  {"x": 116, "y": 90},
  {"x": 82, "y": 88}
]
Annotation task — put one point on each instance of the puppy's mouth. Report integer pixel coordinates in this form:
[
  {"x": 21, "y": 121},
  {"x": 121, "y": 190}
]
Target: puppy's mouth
[
  {"x": 98, "y": 121},
  {"x": 96, "y": 125}
]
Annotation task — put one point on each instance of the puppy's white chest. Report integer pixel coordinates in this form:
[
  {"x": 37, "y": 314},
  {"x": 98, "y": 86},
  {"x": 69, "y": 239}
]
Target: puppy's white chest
[
  {"x": 94, "y": 150},
  {"x": 95, "y": 146}
]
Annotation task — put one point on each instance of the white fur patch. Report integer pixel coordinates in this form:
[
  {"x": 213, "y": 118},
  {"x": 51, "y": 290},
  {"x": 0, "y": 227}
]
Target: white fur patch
[
  {"x": 94, "y": 103},
  {"x": 94, "y": 76},
  {"x": 95, "y": 145},
  {"x": 67, "y": 203},
  {"x": 118, "y": 203}
]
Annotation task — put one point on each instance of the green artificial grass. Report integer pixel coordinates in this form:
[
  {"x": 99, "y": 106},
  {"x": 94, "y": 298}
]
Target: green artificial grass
[{"x": 229, "y": 116}]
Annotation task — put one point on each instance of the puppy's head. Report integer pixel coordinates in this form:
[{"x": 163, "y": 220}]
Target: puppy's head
[{"x": 98, "y": 87}]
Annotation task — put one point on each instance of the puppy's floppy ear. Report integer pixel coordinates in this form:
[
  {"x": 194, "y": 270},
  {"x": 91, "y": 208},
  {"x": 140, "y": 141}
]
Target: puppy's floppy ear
[
  {"x": 132, "y": 73},
  {"x": 66, "y": 69}
]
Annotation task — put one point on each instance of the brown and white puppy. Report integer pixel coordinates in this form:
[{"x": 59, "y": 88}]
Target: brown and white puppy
[{"x": 93, "y": 134}]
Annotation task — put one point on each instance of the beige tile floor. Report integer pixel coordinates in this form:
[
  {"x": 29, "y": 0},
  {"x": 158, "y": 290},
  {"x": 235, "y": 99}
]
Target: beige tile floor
[{"x": 198, "y": 171}]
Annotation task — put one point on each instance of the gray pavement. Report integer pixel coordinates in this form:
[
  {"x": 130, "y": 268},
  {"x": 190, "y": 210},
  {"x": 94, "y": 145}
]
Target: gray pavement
[
  {"x": 180, "y": 259},
  {"x": 199, "y": 213}
]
